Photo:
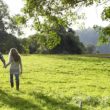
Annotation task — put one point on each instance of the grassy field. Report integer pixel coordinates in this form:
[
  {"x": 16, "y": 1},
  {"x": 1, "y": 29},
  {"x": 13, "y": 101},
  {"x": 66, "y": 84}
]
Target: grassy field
[{"x": 58, "y": 82}]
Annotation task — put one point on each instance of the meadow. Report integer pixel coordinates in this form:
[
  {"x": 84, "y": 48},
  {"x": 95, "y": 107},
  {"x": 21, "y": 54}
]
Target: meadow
[{"x": 58, "y": 82}]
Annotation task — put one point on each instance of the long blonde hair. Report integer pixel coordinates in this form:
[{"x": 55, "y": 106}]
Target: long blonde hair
[{"x": 14, "y": 54}]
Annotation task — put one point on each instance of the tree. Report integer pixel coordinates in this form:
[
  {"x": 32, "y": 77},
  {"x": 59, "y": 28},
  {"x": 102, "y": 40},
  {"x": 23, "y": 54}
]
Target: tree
[
  {"x": 46, "y": 14},
  {"x": 40, "y": 43},
  {"x": 6, "y": 21},
  {"x": 53, "y": 12},
  {"x": 7, "y": 41},
  {"x": 4, "y": 15},
  {"x": 104, "y": 33},
  {"x": 69, "y": 43}
]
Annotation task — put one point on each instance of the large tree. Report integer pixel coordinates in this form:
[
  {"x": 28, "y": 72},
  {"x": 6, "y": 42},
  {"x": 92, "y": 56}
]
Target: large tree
[
  {"x": 69, "y": 44},
  {"x": 7, "y": 23},
  {"x": 46, "y": 14},
  {"x": 44, "y": 43},
  {"x": 7, "y": 40},
  {"x": 4, "y": 15}
]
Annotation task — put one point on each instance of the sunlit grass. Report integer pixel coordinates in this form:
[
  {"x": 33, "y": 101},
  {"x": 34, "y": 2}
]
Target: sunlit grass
[{"x": 58, "y": 82}]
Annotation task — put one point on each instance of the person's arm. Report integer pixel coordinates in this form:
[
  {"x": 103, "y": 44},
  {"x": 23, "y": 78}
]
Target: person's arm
[
  {"x": 7, "y": 64},
  {"x": 2, "y": 59},
  {"x": 21, "y": 66}
]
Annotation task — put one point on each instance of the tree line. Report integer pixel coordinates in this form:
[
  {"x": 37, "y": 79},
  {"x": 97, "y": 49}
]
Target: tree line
[
  {"x": 68, "y": 43},
  {"x": 56, "y": 40},
  {"x": 53, "y": 35}
]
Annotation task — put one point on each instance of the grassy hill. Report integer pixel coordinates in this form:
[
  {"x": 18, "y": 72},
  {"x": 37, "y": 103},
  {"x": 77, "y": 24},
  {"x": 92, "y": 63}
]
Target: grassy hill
[{"x": 58, "y": 82}]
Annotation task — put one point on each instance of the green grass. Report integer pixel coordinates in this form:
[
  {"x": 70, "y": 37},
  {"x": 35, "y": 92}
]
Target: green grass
[{"x": 58, "y": 82}]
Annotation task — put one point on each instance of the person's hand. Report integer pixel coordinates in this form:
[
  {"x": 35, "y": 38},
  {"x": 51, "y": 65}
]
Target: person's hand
[
  {"x": 4, "y": 66},
  {"x": 20, "y": 72}
]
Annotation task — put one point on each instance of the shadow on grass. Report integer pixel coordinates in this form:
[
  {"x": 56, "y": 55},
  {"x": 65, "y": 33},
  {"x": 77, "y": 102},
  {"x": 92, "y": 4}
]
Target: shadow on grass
[
  {"x": 53, "y": 104},
  {"x": 17, "y": 103}
]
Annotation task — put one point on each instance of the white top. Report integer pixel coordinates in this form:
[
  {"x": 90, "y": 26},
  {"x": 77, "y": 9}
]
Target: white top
[{"x": 14, "y": 67}]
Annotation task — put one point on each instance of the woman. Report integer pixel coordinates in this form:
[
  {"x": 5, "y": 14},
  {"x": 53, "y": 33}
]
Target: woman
[{"x": 15, "y": 66}]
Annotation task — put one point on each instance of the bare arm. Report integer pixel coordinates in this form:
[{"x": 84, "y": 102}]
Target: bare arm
[
  {"x": 21, "y": 66},
  {"x": 7, "y": 64},
  {"x": 3, "y": 61}
]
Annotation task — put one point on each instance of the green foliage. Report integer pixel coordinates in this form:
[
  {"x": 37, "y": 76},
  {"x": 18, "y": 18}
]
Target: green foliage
[
  {"x": 58, "y": 82},
  {"x": 69, "y": 43},
  {"x": 4, "y": 15},
  {"x": 43, "y": 42},
  {"x": 19, "y": 19},
  {"x": 105, "y": 32},
  {"x": 105, "y": 35},
  {"x": 56, "y": 41},
  {"x": 52, "y": 12},
  {"x": 8, "y": 41},
  {"x": 106, "y": 13},
  {"x": 6, "y": 21},
  {"x": 52, "y": 40},
  {"x": 47, "y": 14},
  {"x": 24, "y": 42}
]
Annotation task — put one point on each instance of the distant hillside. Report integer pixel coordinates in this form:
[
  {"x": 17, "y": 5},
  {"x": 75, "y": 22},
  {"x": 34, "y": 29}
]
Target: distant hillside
[{"x": 90, "y": 36}]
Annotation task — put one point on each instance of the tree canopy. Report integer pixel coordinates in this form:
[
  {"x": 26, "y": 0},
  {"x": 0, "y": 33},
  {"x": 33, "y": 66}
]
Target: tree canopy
[
  {"x": 7, "y": 40},
  {"x": 104, "y": 32},
  {"x": 68, "y": 43},
  {"x": 48, "y": 13},
  {"x": 6, "y": 21},
  {"x": 4, "y": 15}
]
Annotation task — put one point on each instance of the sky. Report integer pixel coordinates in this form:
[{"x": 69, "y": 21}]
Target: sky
[
  {"x": 14, "y": 6},
  {"x": 92, "y": 13}
]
